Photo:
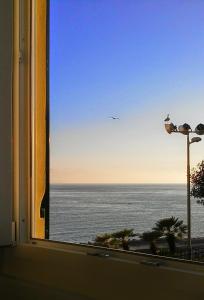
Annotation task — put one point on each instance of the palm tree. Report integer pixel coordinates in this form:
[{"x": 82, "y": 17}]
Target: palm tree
[
  {"x": 115, "y": 239},
  {"x": 172, "y": 229},
  {"x": 151, "y": 237},
  {"x": 106, "y": 240},
  {"x": 123, "y": 237}
]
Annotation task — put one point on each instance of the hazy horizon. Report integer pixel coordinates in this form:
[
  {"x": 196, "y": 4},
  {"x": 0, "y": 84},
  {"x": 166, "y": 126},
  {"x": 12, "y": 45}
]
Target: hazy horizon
[
  {"x": 136, "y": 60},
  {"x": 116, "y": 183}
]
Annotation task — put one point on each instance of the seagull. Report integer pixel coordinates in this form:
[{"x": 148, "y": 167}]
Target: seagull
[
  {"x": 114, "y": 118},
  {"x": 167, "y": 119}
]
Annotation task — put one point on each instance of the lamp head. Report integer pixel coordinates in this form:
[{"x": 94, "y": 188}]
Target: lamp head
[
  {"x": 184, "y": 129},
  {"x": 195, "y": 139},
  {"x": 170, "y": 127},
  {"x": 199, "y": 129}
]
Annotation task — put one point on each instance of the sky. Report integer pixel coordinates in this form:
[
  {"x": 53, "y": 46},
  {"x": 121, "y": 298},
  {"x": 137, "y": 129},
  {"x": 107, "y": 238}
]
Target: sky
[{"x": 135, "y": 59}]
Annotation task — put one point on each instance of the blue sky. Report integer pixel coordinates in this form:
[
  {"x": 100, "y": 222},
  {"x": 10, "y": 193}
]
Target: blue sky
[{"x": 138, "y": 60}]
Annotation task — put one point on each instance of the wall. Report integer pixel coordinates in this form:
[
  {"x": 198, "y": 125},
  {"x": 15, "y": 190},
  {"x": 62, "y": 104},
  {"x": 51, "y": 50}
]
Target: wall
[{"x": 5, "y": 121}]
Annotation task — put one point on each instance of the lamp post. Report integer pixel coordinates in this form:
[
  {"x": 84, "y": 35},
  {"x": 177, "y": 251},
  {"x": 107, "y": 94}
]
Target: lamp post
[
  {"x": 193, "y": 140},
  {"x": 186, "y": 130}
]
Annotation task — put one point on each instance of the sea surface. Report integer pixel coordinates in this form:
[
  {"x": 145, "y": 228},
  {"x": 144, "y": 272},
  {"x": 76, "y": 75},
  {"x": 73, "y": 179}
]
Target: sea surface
[{"x": 79, "y": 212}]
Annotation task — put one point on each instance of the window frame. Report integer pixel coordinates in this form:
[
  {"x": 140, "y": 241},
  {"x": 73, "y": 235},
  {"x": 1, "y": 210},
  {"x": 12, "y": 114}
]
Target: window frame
[
  {"x": 40, "y": 119},
  {"x": 25, "y": 36}
]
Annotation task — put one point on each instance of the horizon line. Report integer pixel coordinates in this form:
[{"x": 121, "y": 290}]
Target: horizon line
[{"x": 111, "y": 183}]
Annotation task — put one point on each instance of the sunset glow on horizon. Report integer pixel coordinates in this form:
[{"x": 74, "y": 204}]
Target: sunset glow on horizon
[{"x": 136, "y": 60}]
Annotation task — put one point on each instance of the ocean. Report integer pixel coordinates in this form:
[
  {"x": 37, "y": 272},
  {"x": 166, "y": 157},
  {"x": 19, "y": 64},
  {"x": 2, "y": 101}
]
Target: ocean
[{"x": 79, "y": 212}]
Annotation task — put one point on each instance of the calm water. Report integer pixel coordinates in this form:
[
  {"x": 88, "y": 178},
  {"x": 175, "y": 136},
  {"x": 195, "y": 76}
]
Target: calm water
[{"x": 79, "y": 212}]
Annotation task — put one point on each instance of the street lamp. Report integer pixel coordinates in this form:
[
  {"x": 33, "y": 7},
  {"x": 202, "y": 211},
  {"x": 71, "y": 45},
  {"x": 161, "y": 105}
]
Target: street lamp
[{"x": 186, "y": 130}]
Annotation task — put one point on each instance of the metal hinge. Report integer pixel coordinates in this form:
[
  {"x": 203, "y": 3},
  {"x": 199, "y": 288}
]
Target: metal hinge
[
  {"x": 99, "y": 254},
  {"x": 153, "y": 263}
]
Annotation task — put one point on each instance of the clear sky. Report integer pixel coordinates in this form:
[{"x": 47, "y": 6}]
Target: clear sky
[{"x": 135, "y": 59}]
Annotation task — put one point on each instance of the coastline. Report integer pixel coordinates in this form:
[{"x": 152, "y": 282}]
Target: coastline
[{"x": 197, "y": 242}]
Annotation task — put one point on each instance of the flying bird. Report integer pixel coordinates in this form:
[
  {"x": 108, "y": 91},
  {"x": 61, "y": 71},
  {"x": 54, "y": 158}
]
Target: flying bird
[
  {"x": 114, "y": 118},
  {"x": 167, "y": 119}
]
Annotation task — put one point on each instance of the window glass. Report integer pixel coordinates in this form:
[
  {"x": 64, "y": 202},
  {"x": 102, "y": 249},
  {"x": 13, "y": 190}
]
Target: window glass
[{"x": 118, "y": 69}]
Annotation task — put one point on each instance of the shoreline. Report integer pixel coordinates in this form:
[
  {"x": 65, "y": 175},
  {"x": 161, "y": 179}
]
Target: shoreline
[{"x": 197, "y": 242}]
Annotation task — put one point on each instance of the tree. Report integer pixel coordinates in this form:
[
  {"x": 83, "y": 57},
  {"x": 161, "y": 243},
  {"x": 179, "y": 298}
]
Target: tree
[
  {"x": 115, "y": 239},
  {"x": 106, "y": 240},
  {"x": 172, "y": 229},
  {"x": 124, "y": 236},
  {"x": 197, "y": 180},
  {"x": 151, "y": 237}
]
